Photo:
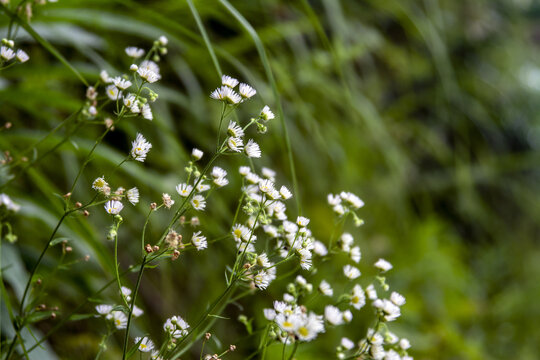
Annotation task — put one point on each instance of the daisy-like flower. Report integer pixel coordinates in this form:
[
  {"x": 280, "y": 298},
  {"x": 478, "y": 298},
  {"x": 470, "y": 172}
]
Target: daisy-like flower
[
  {"x": 220, "y": 182},
  {"x": 404, "y": 344},
  {"x": 147, "y": 112},
  {"x": 235, "y": 144},
  {"x": 137, "y": 311},
  {"x": 113, "y": 207},
  {"x": 202, "y": 187},
  {"x": 347, "y": 343},
  {"x": 355, "y": 254},
  {"x": 147, "y": 74},
  {"x": 126, "y": 293},
  {"x": 226, "y": 94},
  {"x": 176, "y": 326},
  {"x": 104, "y": 309},
  {"x": 145, "y": 344},
  {"x": 383, "y": 265},
  {"x": 134, "y": 52},
  {"x": 288, "y": 323},
  {"x": 246, "y": 91},
  {"x": 353, "y": 200},
  {"x": 319, "y": 248},
  {"x": 22, "y": 56},
  {"x": 121, "y": 83},
  {"x": 305, "y": 258},
  {"x": 235, "y": 130},
  {"x": 152, "y": 66},
  {"x": 345, "y": 242},
  {"x": 199, "y": 241},
  {"x": 167, "y": 201},
  {"x": 311, "y": 326},
  {"x": 184, "y": 189},
  {"x": 133, "y": 195},
  {"x": 113, "y": 93},
  {"x": 198, "y": 202},
  {"x": 371, "y": 292},
  {"x": 351, "y": 272},
  {"x": 262, "y": 280},
  {"x": 218, "y": 172},
  {"x": 240, "y": 232},
  {"x": 285, "y": 193},
  {"x": 140, "y": 148},
  {"x": 266, "y": 186},
  {"x": 325, "y": 288},
  {"x": 196, "y": 154},
  {"x": 99, "y": 184},
  {"x": 358, "y": 298},
  {"x": 253, "y": 178},
  {"x": 119, "y": 319},
  {"x": 6, "y": 53},
  {"x": 389, "y": 310},
  {"x": 333, "y": 315},
  {"x": 267, "y": 114},
  {"x": 268, "y": 173},
  {"x": 302, "y": 221},
  {"x": 262, "y": 261},
  {"x": 244, "y": 170},
  {"x": 104, "y": 75},
  {"x": 130, "y": 101},
  {"x": 397, "y": 298},
  {"x": 229, "y": 81},
  {"x": 347, "y": 316},
  {"x": 252, "y": 149}
]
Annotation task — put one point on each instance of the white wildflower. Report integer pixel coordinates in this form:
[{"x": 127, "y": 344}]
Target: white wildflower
[
  {"x": 355, "y": 254},
  {"x": 347, "y": 343},
  {"x": 104, "y": 309},
  {"x": 235, "y": 144},
  {"x": 325, "y": 288},
  {"x": 358, "y": 298},
  {"x": 246, "y": 91},
  {"x": 6, "y": 53},
  {"x": 351, "y": 272},
  {"x": 252, "y": 149},
  {"x": 113, "y": 93},
  {"x": 229, "y": 81},
  {"x": 397, "y": 298},
  {"x": 198, "y": 202},
  {"x": 333, "y": 315},
  {"x": 267, "y": 114},
  {"x": 199, "y": 241},
  {"x": 134, "y": 52},
  {"x": 167, "y": 201},
  {"x": 196, "y": 154},
  {"x": 266, "y": 186},
  {"x": 184, "y": 189},
  {"x": 226, "y": 94},
  {"x": 140, "y": 148},
  {"x": 145, "y": 345},
  {"x": 22, "y": 56},
  {"x": 383, "y": 265},
  {"x": 113, "y": 207},
  {"x": 147, "y": 112},
  {"x": 119, "y": 319},
  {"x": 133, "y": 195},
  {"x": 121, "y": 83},
  {"x": 235, "y": 130}
]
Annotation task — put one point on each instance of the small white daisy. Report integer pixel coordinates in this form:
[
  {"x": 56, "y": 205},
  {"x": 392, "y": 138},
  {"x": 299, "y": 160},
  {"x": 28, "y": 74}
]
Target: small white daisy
[
  {"x": 22, "y": 56},
  {"x": 229, "y": 81},
  {"x": 325, "y": 288},
  {"x": 199, "y": 241},
  {"x": 134, "y": 52},
  {"x": 133, "y": 195},
  {"x": 6, "y": 53},
  {"x": 198, "y": 202},
  {"x": 285, "y": 193},
  {"x": 235, "y": 130},
  {"x": 147, "y": 112},
  {"x": 333, "y": 315},
  {"x": 351, "y": 272},
  {"x": 383, "y": 265},
  {"x": 358, "y": 297},
  {"x": 196, "y": 154},
  {"x": 184, "y": 189},
  {"x": 113, "y": 93},
  {"x": 145, "y": 345},
  {"x": 252, "y": 149},
  {"x": 113, "y": 207},
  {"x": 119, "y": 319},
  {"x": 267, "y": 114},
  {"x": 246, "y": 91},
  {"x": 235, "y": 144},
  {"x": 167, "y": 201},
  {"x": 140, "y": 148},
  {"x": 121, "y": 83}
]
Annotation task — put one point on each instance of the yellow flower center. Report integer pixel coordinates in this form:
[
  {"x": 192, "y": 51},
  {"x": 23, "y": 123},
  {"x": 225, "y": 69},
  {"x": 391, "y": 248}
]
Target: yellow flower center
[{"x": 303, "y": 331}]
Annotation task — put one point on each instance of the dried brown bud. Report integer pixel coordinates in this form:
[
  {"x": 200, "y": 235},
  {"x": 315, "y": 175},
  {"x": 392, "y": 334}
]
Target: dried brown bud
[
  {"x": 42, "y": 307},
  {"x": 86, "y": 213},
  {"x": 39, "y": 281},
  {"x": 207, "y": 336},
  {"x": 53, "y": 316},
  {"x": 155, "y": 248},
  {"x": 8, "y": 125},
  {"x": 109, "y": 124},
  {"x": 54, "y": 308},
  {"x": 195, "y": 221},
  {"x": 175, "y": 254},
  {"x": 148, "y": 248},
  {"x": 69, "y": 249},
  {"x": 87, "y": 257},
  {"x": 182, "y": 220},
  {"x": 303, "y": 309},
  {"x": 153, "y": 206},
  {"x": 232, "y": 347},
  {"x": 24, "y": 159},
  {"x": 247, "y": 266},
  {"x": 65, "y": 196},
  {"x": 78, "y": 204}
]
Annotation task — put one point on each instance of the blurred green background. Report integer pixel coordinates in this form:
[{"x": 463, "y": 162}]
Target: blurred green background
[{"x": 426, "y": 109}]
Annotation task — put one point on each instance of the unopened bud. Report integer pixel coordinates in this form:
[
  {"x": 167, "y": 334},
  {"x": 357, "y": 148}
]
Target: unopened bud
[
  {"x": 175, "y": 254},
  {"x": 153, "y": 206},
  {"x": 67, "y": 195},
  {"x": 207, "y": 336},
  {"x": 232, "y": 347},
  {"x": 78, "y": 204},
  {"x": 133, "y": 67},
  {"x": 39, "y": 281},
  {"x": 53, "y": 316},
  {"x": 69, "y": 249},
  {"x": 155, "y": 248},
  {"x": 148, "y": 248}
]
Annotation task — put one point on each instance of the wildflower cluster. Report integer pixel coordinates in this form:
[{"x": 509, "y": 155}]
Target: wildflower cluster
[{"x": 10, "y": 56}]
